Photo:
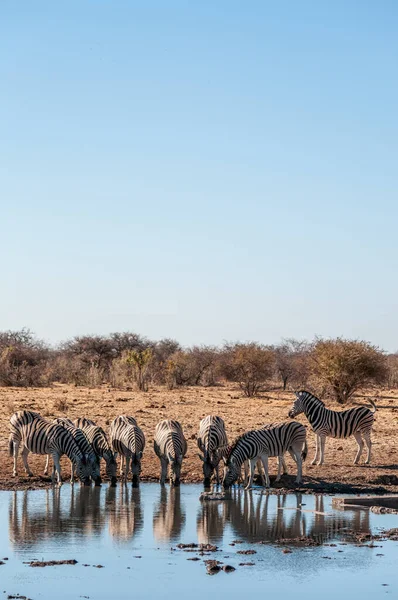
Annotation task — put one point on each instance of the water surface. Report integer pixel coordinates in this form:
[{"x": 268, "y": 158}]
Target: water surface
[{"x": 134, "y": 534}]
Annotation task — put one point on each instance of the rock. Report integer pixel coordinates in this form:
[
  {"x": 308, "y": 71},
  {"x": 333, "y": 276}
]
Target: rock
[
  {"x": 51, "y": 563},
  {"x": 228, "y": 568},
  {"x": 246, "y": 552}
]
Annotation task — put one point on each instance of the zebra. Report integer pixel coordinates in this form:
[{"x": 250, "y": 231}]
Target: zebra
[
  {"x": 99, "y": 441},
  {"x": 128, "y": 440},
  {"x": 88, "y": 450},
  {"x": 213, "y": 442},
  {"x": 41, "y": 437},
  {"x": 170, "y": 446},
  {"x": 337, "y": 424},
  {"x": 17, "y": 420},
  {"x": 262, "y": 443}
]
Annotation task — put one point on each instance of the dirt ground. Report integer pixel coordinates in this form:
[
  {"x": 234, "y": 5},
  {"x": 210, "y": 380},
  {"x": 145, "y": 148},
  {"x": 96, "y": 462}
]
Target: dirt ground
[{"x": 189, "y": 405}]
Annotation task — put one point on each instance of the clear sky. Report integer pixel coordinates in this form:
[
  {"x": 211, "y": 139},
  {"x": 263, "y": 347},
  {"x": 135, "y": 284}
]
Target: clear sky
[{"x": 207, "y": 171}]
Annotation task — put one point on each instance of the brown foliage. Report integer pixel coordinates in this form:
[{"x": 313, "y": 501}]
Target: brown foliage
[
  {"x": 250, "y": 365},
  {"x": 344, "y": 366}
]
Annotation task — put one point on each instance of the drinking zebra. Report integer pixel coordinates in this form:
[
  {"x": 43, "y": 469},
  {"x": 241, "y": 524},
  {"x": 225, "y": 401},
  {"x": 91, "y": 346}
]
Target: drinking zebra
[
  {"x": 337, "y": 424},
  {"x": 213, "y": 442},
  {"x": 81, "y": 438},
  {"x": 170, "y": 446},
  {"x": 273, "y": 440},
  {"x": 128, "y": 440},
  {"x": 41, "y": 437},
  {"x": 99, "y": 441}
]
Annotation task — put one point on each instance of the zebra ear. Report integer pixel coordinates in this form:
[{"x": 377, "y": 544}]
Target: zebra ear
[
  {"x": 201, "y": 457},
  {"x": 170, "y": 458}
]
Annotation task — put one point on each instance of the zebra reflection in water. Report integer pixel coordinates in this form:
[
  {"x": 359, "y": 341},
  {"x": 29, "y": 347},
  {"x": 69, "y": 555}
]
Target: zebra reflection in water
[
  {"x": 126, "y": 517},
  {"x": 77, "y": 514},
  {"x": 267, "y": 518},
  {"x": 169, "y": 515},
  {"x": 210, "y": 522}
]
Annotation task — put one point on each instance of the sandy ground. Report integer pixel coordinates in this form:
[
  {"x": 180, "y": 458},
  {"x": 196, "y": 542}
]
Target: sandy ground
[{"x": 189, "y": 405}]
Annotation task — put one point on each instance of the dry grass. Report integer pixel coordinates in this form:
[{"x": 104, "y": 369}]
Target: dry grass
[{"x": 189, "y": 405}]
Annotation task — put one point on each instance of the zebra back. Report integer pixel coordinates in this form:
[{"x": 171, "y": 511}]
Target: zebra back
[
  {"x": 169, "y": 441},
  {"x": 333, "y": 423},
  {"x": 126, "y": 437},
  {"x": 212, "y": 438}
]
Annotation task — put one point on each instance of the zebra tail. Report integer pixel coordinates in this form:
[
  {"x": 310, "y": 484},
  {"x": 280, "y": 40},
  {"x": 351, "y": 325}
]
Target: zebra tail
[
  {"x": 304, "y": 452},
  {"x": 10, "y": 446},
  {"x": 373, "y": 405}
]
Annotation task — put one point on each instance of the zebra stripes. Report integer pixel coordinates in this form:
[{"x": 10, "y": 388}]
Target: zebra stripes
[
  {"x": 170, "y": 446},
  {"x": 128, "y": 440},
  {"x": 337, "y": 424},
  {"x": 272, "y": 440},
  {"x": 213, "y": 442},
  {"x": 80, "y": 437},
  {"x": 41, "y": 437},
  {"x": 99, "y": 441}
]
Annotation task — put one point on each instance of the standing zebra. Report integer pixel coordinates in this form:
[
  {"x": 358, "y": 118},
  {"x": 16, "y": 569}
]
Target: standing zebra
[
  {"x": 81, "y": 438},
  {"x": 337, "y": 424},
  {"x": 17, "y": 420},
  {"x": 40, "y": 437},
  {"x": 273, "y": 440},
  {"x": 170, "y": 446},
  {"x": 128, "y": 440},
  {"x": 97, "y": 438},
  {"x": 213, "y": 442}
]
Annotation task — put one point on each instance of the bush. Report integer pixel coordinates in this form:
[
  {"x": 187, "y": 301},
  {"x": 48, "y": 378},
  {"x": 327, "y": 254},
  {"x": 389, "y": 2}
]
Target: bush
[
  {"x": 292, "y": 362},
  {"x": 250, "y": 365},
  {"x": 344, "y": 366},
  {"x": 195, "y": 366},
  {"x": 23, "y": 359}
]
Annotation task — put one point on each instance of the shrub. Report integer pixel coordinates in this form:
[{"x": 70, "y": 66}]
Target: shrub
[
  {"x": 344, "y": 366},
  {"x": 23, "y": 359},
  {"x": 250, "y": 365}
]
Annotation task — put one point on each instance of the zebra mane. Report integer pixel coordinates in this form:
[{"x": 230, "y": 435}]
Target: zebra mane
[
  {"x": 235, "y": 443},
  {"x": 311, "y": 395}
]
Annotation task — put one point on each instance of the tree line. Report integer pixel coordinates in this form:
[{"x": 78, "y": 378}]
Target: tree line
[{"x": 337, "y": 367}]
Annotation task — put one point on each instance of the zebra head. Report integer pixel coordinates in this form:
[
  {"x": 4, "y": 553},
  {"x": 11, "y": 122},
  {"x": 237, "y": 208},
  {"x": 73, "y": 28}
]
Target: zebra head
[
  {"x": 231, "y": 472},
  {"x": 95, "y": 469},
  {"x": 136, "y": 468},
  {"x": 110, "y": 461},
  {"x": 83, "y": 469},
  {"x": 298, "y": 405},
  {"x": 175, "y": 466},
  {"x": 209, "y": 464}
]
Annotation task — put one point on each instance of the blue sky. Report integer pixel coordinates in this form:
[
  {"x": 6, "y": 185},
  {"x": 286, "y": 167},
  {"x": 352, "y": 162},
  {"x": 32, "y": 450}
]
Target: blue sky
[{"x": 206, "y": 171}]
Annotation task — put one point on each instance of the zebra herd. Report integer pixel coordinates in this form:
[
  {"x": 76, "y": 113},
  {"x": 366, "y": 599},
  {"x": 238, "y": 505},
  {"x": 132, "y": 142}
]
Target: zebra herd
[{"x": 85, "y": 444}]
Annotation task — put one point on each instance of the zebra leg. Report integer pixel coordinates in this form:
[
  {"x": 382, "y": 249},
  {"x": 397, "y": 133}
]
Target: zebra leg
[
  {"x": 299, "y": 462},
  {"x": 260, "y": 472},
  {"x": 278, "y": 477},
  {"x": 127, "y": 465},
  {"x": 57, "y": 469},
  {"x": 368, "y": 441},
  {"x": 317, "y": 448},
  {"x": 163, "y": 470},
  {"x": 15, "y": 453},
  {"x": 47, "y": 465},
  {"x": 359, "y": 440},
  {"x": 121, "y": 465},
  {"x": 25, "y": 453},
  {"x": 252, "y": 463},
  {"x": 72, "y": 472},
  {"x": 264, "y": 460},
  {"x": 322, "y": 444}
]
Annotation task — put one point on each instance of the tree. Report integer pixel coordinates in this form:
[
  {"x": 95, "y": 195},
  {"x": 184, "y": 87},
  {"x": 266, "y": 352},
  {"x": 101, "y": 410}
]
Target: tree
[
  {"x": 194, "y": 366},
  {"x": 140, "y": 361},
  {"x": 250, "y": 365},
  {"x": 344, "y": 366}
]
